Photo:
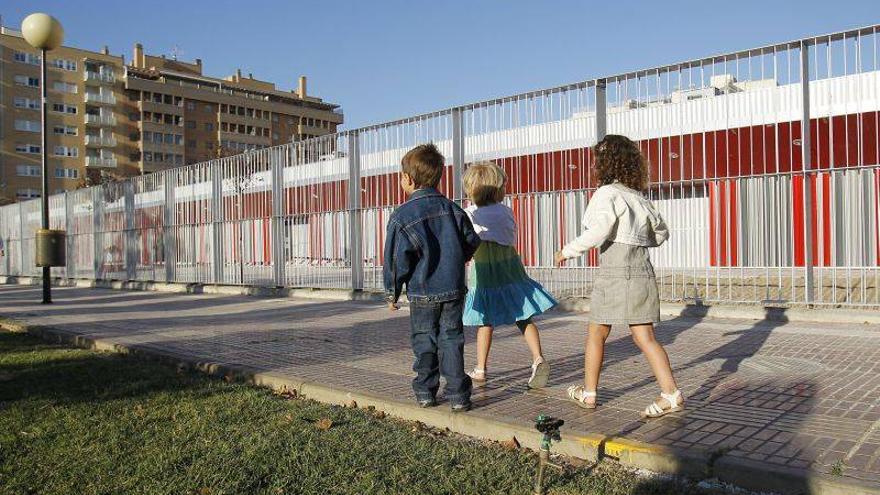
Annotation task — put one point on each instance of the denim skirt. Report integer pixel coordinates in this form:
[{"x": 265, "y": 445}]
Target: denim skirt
[{"x": 624, "y": 288}]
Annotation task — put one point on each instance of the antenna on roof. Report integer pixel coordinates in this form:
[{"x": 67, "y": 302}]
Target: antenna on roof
[{"x": 176, "y": 52}]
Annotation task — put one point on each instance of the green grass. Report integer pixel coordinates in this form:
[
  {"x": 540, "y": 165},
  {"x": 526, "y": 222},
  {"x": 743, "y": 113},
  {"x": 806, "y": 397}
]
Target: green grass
[{"x": 75, "y": 421}]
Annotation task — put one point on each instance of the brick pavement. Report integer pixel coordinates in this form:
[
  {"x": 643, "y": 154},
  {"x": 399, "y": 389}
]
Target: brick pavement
[{"x": 793, "y": 395}]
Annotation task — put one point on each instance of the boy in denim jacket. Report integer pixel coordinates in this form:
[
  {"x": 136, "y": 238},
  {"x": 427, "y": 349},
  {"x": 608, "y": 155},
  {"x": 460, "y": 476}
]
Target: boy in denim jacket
[{"x": 429, "y": 240}]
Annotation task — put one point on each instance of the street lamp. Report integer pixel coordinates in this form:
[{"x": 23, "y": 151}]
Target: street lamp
[{"x": 44, "y": 33}]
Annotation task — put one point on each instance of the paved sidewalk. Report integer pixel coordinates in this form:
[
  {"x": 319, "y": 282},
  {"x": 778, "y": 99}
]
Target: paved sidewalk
[{"x": 796, "y": 396}]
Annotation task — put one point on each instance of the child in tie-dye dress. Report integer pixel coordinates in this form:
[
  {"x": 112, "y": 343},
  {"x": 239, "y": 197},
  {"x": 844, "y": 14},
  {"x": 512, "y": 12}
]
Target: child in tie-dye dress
[{"x": 500, "y": 292}]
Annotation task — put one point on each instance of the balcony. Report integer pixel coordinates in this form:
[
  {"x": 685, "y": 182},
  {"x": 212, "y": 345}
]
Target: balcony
[
  {"x": 99, "y": 162},
  {"x": 101, "y": 120},
  {"x": 99, "y": 77},
  {"x": 101, "y": 98},
  {"x": 100, "y": 141}
]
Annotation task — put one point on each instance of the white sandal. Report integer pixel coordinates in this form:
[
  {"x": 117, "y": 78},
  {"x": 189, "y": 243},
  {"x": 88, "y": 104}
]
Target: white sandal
[
  {"x": 540, "y": 374},
  {"x": 580, "y": 396},
  {"x": 477, "y": 374},
  {"x": 676, "y": 404}
]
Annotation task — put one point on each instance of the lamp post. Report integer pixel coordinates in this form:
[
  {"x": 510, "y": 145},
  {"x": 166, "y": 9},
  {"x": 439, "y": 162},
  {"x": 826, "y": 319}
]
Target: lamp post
[{"x": 44, "y": 33}]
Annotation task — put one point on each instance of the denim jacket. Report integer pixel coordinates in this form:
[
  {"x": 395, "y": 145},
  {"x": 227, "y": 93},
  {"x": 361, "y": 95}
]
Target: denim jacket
[
  {"x": 429, "y": 240},
  {"x": 620, "y": 214}
]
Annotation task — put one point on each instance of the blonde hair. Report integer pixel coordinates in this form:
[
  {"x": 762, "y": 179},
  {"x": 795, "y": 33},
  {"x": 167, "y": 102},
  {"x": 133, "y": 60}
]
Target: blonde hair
[{"x": 484, "y": 183}]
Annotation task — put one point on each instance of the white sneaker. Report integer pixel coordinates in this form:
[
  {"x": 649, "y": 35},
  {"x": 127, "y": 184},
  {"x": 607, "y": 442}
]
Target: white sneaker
[{"x": 540, "y": 374}]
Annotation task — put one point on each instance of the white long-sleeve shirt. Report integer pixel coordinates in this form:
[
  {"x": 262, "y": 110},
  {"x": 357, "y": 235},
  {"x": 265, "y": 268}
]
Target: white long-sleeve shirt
[
  {"x": 494, "y": 223},
  {"x": 618, "y": 213}
]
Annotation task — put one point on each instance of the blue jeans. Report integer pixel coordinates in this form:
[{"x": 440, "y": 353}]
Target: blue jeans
[{"x": 438, "y": 344}]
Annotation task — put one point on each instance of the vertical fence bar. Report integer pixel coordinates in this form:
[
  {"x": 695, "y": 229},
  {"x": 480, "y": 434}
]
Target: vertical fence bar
[
  {"x": 69, "y": 257},
  {"x": 601, "y": 110},
  {"x": 128, "y": 234},
  {"x": 217, "y": 219},
  {"x": 276, "y": 164},
  {"x": 169, "y": 234},
  {"x": 21, "y": 246},
  {"x": 355, "y": 222},
  {"x": 457, "y": 155},
  {"x": 808, "y": 165},
  {"x": 96, "y": 235}
]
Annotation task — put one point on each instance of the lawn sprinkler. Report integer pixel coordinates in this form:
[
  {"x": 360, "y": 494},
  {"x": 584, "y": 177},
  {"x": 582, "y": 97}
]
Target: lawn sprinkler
[{"x": 549, "y": 426}]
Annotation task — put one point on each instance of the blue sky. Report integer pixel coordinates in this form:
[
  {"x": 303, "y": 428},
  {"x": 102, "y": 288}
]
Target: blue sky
[{"x": 384, "y": 60}]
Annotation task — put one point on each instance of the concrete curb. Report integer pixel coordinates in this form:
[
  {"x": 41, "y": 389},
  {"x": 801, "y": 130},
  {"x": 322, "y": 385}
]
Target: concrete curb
[
  {"x": 575, "y": 305},
  {"x": 699, "y": 464}
]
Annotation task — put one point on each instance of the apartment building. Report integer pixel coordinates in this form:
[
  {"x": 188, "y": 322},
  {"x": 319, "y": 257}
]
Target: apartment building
[{"x": 109, "y": 117}]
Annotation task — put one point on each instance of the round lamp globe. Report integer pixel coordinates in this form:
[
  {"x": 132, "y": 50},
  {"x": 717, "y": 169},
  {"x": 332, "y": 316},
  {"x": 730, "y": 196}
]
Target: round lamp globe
[{"x": 42, "y": 31}]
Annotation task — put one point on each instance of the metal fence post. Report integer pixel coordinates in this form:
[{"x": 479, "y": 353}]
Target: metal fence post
[
  {"x": 69, "y": 266},
  {"x": 169, "y": 233},
  {"x": 217, "y": 219},
  {"x": 128, "y": 230},
  {"x": 601, "y": 110},
  {"x": 21, "y": 246},
  {"x": 355, "y": 222},
  {"x": 276, "y": 162},
  {"x": 457, "y": 155},
  {"x": 97, "y": 200},
  {"x": 806, "y": 145}
]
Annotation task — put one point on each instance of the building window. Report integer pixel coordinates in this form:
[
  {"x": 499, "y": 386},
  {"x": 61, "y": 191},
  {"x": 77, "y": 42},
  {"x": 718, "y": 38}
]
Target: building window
[
  {"x": 209, "y": 126},
  {"x": 191, "y": 143},
  {"x": 66, "y": 173},
  {"x": 190, "y": 124},
  {"x": 134, "y": 116},
  {"x": 274, "y": 117},
  {"x": 209, "y": 145},
  {"x": 68, "y": 130},
  {"x": 33, "y": 82},
  {"x": 28, "y": 103},
  {"x": 27, "y": 58},
  {"x": 178, "y": 140},
  {"x": 27, "y": 193},
  {"x": 60, "y": 63},
  {"x": 62, "y": 108},
  {"x": 27, "y": 125},
  {"x": 275, "y": 136},
  {"x": 190, "y": 105},
  {"x": 65, "y": 87},
  {"x": 148, "y": 156},
  {"x": 27, "y": 170},
  {"x": 28, "y": 148},
  {"x": 67, "y": 151},
  {"x": 209, "y": 108}
]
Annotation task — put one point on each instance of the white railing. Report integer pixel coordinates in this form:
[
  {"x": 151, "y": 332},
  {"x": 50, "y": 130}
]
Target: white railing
[
  {"x": 753, "y": 217},
  {"x": 99, "y": 77},
  {"x": 101, "y": 162},
  {"x": 100, "y": 120},
  {"x": 100, "y": 141},
  {"x": 100, "y": 98}
]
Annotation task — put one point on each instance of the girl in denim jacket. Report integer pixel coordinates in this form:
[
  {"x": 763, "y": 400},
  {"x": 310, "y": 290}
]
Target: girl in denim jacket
[{"x": 623, "y": 224}]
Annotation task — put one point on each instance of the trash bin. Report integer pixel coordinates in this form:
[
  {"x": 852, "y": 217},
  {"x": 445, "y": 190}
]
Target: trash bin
[{"x": 50, "y": 247}]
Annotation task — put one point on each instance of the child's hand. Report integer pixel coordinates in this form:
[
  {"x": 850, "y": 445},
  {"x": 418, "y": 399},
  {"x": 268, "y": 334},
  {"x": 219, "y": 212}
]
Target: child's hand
[
  {"x": 393, "y": 306},
  {"x": 559, "y": 258}
]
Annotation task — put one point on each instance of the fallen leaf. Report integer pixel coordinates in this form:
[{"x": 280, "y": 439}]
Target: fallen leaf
[
  {"x": 204, "y": 491},
  {"x": 288, "y": 417},
  {"x": 512, "y": 444},
  {"x": 351, "y": 404},
  {"x": 228, "y": 378},
  {"x": 324, "y": 424},
  {"x": 139, "y": 411},
  {"x": 379, "y": 414}
]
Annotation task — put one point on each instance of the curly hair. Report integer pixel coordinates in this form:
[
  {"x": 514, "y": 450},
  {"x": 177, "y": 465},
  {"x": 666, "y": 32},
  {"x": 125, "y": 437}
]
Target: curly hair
[{"x": 619, "y": 159}]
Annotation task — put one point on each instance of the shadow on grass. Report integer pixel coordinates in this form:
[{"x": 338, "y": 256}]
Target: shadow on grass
[{"x": 34, "y": 370}]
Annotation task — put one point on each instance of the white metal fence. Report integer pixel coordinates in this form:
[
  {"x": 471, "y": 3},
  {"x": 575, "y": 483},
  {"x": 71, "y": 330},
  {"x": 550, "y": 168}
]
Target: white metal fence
[{"x": 753, "y": 216}]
